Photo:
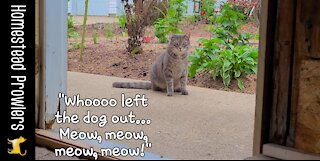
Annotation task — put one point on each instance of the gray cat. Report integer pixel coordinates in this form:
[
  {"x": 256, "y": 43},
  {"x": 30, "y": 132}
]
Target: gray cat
[{"x": 169, "y": 72}]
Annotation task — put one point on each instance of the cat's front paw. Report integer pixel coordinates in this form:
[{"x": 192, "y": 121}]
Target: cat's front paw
[
  {"x": 170, "y": 94},
  {"x": 184, "y": 92}
]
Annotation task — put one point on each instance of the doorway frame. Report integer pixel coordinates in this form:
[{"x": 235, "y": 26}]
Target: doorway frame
[{"x": 52, "y": 79}]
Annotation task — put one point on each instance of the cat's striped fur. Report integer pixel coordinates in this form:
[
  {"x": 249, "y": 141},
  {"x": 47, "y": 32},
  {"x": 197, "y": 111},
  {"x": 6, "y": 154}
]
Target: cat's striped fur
[{"x": 169, "y": 72}]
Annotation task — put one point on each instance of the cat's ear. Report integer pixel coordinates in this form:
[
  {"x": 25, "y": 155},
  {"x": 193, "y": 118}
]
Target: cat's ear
[
  {"x": 172, "y": 37},
  {"x": 188, "y": 35}
]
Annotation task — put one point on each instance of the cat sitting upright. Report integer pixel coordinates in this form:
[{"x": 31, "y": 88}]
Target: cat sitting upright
[{"x": 170, "y": 71}]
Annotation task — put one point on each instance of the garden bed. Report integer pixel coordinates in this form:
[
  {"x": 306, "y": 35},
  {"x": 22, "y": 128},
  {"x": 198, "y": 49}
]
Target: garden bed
[{"x": 109, "y": 57}]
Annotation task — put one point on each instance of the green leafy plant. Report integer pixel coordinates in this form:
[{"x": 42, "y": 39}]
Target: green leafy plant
[
  {"x": 122, "y": 20},
  {"x": 76, "y": 45},
  {"x": 169, "y": 24},
  {"x": 224, "y": 60},
  {"x": 71, "y": 30},
  {"x": 72, "y": 34},
  {"x": 228, "y": 24},
  {"x": 108, "y": 32},
  {"x": 164, "y": 27},
  {"x": 70, "y": 22},
  {"x": 228, "y": 54},
  {"x": 95, "y": 37},
  {"x": 208, "y": 11}
]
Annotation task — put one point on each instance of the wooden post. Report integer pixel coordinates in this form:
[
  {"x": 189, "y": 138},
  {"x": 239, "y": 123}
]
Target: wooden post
[
  {"x": 282, "y": 65},
  {"x": 291, "y": 64},
  {"x": 53, "y": 59},
  {"x": 306, "y": 85},
  {"x": 264, "y": 92}
]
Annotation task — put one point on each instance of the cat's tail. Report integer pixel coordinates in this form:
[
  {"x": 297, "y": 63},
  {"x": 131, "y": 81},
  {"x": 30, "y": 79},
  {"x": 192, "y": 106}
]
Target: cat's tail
[
  {"x": 25, "y": 152},
  {"x": 132, "y": 85}
]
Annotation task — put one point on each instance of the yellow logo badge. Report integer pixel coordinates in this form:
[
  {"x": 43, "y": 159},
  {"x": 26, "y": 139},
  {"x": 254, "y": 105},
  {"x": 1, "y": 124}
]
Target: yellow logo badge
[{"x": 16, "y": 146}]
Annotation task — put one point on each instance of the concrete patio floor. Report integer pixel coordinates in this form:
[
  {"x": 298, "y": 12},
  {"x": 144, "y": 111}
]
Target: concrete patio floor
[{"x": 206, "y": 124}]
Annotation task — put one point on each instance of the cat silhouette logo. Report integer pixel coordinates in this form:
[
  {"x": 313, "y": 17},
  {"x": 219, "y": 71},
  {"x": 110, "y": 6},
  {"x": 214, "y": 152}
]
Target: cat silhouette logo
[{"x": 16, "y": 146}]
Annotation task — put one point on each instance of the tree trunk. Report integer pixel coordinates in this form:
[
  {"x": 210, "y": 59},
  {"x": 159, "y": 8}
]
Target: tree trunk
[
  {"x": 134, "y": 25},
  {"x": 84, "y": 29}
]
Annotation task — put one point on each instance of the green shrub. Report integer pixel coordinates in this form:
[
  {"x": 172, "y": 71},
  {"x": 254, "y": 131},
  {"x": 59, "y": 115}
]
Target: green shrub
[
  {"x": 228, "y": 54},
  {"x": 224, "y": 60},
  {"x": 207, "y": 11},
  {"x": 169, "y": 24}
]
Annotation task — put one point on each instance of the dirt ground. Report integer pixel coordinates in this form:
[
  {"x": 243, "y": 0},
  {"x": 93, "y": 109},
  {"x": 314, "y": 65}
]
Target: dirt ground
[{"x": 109, "y": 57}]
